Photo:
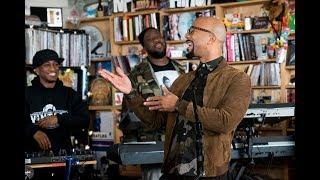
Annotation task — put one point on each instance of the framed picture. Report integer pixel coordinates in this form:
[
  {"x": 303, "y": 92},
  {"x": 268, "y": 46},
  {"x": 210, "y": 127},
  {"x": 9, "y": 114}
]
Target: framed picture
[
  {"x": 291, "y": 53},
  {"x": 54, "y": 17},
  {"x": 75, "y": 78},
  {"x": 118, "y": 97},
  {"x": 50, "y": 15}
]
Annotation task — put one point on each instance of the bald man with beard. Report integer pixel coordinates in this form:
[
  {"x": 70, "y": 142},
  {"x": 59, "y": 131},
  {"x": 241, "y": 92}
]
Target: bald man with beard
[{"x": 221, "y": 96}]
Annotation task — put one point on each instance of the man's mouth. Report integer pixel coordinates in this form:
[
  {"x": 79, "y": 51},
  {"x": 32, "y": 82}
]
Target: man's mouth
[
  {"x": 159, "y": 45},
  {"x": 53, "y": 74}
]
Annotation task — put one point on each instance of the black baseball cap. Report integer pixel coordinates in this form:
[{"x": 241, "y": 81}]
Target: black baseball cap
[{"x": 45, "y": 55}]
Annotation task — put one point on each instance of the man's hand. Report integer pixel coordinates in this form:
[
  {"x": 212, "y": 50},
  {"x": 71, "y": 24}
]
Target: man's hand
[
  {"x": 42, "y": 139},
  {"x": 167, "y": 102},
  {"x": 48, "y": 122},
  {"x": 121, "y": 81}
]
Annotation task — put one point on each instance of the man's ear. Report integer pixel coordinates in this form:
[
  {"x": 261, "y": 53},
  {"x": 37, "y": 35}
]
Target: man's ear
[
  {"x": 143, "y": 53},
  {"x": 36, "y": 70},
  {"x": 211, "y": 40}
]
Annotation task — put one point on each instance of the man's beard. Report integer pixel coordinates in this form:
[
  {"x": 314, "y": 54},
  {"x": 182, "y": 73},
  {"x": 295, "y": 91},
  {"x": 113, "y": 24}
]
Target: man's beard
[{"x": 158, "y": 54}]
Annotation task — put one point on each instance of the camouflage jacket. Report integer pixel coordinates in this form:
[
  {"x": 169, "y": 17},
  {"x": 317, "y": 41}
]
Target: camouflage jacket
[{"x": 144, "y": 81}]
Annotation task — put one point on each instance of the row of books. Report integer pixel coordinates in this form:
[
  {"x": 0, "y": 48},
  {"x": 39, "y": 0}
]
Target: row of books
[
  {"x": 126, "y": 63},
  {"x": 264, "y": 74},
  {"x": 128, "y": 28},
  {"x": 74, "y": 48},
  {"x": 242, "y": 47}
]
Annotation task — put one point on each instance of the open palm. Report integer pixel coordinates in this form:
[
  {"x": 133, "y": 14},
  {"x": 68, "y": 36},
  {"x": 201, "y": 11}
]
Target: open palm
[{"x": 120, "y": 81}]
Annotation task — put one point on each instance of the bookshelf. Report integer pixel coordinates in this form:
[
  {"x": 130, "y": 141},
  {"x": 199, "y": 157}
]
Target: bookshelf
[
  {"x": 252, "y": 61},
  {"x": 292, "y": 67},
  {"x": 250, "y": 31},
  {"x": 100, "y": 59}
]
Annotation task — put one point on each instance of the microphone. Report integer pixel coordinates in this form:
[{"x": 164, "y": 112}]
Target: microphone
[{"x": 93, "y": 51}]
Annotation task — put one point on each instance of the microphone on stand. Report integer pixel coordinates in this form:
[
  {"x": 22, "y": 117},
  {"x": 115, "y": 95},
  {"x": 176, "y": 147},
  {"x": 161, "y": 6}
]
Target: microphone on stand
[{"x": 99, "y": 44}]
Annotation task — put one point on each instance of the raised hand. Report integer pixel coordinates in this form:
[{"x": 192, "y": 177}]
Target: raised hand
[
  {"x": 42, "y": 140},
  {"x": 167, "y": 102},
  {"x": 120, "y": 81}
]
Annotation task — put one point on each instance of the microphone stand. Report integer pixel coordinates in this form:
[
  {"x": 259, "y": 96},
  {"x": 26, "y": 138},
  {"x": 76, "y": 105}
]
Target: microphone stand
[
  {"x": 70, "y": 161},
  {"x": 199, "y": 134}
]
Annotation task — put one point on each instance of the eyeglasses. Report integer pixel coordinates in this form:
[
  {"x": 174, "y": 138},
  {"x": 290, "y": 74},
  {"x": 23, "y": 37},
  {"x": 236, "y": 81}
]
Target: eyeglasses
[{"x": 192, "y": 28}]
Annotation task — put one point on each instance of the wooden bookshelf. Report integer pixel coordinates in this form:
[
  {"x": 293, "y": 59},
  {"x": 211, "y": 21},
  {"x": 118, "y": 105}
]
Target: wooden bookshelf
[
  {"x": 176, "y": 41},
  {"x": 95, "y": 19},
  {"x": 136, "y": 13},
  {"x": 101, "y": 59},
  {"x": 103, "y": 108},
  {"x": 290, "y": 86},
  {"x": 250, "y": 31},
  {"x": 127, "y": 42},
  {"x": 252, "y": 61},
  {"x": 243, "y": 3},
  {"x": 292, "y": 67},
  {"x": 265, "y": 87},
  {"x": 188, "y": 9}
]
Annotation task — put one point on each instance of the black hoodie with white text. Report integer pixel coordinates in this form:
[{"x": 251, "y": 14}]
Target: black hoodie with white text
[{"x": 71, "y": 111}]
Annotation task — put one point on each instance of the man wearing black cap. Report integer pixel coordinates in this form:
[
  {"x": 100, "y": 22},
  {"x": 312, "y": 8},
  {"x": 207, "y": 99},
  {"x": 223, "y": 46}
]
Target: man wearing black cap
[{"x": 53, "y": 111}]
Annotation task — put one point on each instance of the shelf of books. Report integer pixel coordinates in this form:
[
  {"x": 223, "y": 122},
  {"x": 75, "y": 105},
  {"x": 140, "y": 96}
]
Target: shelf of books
[
  {"x": 127, "y": 42},
  {"x": 101, "y": 59},
  {"x": 175, "y": 41},
  {"x": 85, "y": 20},
  {"x": 290, "y": 86},
  {"x": 252, "y": 61},
  {"x": 242, "y": 3},
  {"x": 188, "y": 9},
  {"x": 266, "y": 30},
  {"x": 292, "y": 67},
  {"x": 127, "y": 27}
]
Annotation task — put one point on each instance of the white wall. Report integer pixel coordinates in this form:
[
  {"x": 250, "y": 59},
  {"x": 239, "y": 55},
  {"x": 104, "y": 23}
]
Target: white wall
[{"x": 64, "y": 4}]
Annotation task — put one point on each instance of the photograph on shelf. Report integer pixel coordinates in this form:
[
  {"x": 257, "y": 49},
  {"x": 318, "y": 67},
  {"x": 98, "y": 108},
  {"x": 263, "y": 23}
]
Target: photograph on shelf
[
  {"x": 291, "y": 53},
  {"x": 54, "y": 17},
  {"x": 71, "y": 78},
  {"x": 100, "y": 92},
  {"x": 118, "y": 98},
  {"x": 107, "y": 65},
  {"x": 291, "y": 95}
]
